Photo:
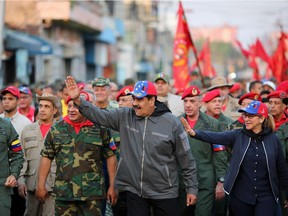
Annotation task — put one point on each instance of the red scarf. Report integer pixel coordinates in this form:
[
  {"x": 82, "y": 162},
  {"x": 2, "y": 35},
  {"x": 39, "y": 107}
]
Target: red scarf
[
  {"x": 77, "y": 126},
  {"x": 282, "y": 120},
  {"x": 241, "y": 120}
]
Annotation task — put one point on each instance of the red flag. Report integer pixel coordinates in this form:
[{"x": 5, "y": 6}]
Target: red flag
[
  {"x": 182, "y": 44},
  {"x": 260, "y": 52},
  {"x": 250, "y": 56},
  {"x": 205, "y": 58},
  {"x": 246, "y": 53},
  {"x": 279, "y": 62}
]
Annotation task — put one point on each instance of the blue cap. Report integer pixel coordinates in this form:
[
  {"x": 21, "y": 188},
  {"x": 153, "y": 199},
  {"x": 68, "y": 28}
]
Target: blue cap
[
  {"x": 143, "y": 88},
  {"x": 256, "y": 107}
]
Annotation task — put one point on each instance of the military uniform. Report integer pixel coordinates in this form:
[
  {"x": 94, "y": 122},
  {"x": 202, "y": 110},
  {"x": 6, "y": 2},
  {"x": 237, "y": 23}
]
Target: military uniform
[
  {"x": 235, "y": 125},
  {"x": 208, "y": 169},
  {"x": 11, "y": 161},
  {"x": 282, "y": 134},
  {"x": 79, "y": 175},
  {"x": 32, "y": 143},
  {"x": 221, "y": 206}
]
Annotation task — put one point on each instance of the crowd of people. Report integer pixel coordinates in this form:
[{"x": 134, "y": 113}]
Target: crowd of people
[{"x": 144, "y": 148}]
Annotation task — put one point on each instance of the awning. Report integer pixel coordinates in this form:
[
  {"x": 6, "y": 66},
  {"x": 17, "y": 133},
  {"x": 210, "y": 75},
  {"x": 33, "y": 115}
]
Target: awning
[
  {"x": 18, "y": 40},
  {"x": 120, "y": 27},
  {"x": 107, "y": 36}
]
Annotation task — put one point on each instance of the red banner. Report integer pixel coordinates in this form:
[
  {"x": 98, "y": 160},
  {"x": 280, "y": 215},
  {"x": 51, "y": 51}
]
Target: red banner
[
  {"x": 182, "y": 44},
  {"x": 251, "y": 58},
  {"x": 279, "y": 62}
]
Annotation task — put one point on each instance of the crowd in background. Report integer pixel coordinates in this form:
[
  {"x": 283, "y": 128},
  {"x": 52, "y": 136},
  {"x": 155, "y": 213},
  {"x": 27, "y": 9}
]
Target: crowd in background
[{"x": 206, "y": 105}]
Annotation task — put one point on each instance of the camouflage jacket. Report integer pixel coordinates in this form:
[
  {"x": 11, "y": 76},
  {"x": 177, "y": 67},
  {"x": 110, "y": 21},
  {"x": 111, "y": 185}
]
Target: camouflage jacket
[
  {"x": 79, "y": 174},
  {"x": 235, "y": 125}
]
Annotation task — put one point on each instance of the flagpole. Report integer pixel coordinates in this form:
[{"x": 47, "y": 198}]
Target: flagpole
[
  {"x": 195, "y": 55},
  {"x": 198, "y": 65}
]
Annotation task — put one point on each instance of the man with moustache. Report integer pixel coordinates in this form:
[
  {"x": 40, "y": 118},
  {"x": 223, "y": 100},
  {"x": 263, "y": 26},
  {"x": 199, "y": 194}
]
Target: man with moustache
[
  {"x": 152, "y": 148},
  {"x": 78, "y": 147}
]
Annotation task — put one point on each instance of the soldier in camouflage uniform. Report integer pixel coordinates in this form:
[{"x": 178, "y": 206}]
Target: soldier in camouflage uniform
[
  {"x": 78, "y": 147},
  {"x": 11, "y": 155}
]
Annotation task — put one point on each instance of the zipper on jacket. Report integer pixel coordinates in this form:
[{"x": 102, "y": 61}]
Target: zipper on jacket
[
  {"x": 143, "y": 156},
  {"x": 239, "y": 166},
  {"x": 267, "y": 163},
  {"x": 168, "y": 176}
]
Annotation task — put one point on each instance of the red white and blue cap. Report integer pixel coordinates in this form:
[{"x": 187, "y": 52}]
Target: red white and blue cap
[
  {"x": 256, "y": 107},
  {"x": 25, "y": 90},
  {"x": 143, "y": 88}
]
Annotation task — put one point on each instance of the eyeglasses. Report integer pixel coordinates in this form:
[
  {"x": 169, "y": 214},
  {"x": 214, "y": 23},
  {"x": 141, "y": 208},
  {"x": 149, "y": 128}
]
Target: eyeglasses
[
  {"x": 24, "y": 97},
  {"x": 124, "y": 100},
  {"x": 249, "y": 116}
]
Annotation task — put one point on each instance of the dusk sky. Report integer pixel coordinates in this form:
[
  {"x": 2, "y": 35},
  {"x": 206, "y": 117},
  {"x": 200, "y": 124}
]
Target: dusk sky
[{"x": 257, "y": 18}]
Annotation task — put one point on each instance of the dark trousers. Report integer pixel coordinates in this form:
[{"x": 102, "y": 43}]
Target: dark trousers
[
  {"x": 138, "y": 206},
  {"x": 240, "y": 208},
  {"x": 120, "y": 208},
  {"x": 18, "y": 204}
]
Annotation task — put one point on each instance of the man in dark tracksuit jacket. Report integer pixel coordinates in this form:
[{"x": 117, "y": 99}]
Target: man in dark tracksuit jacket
[{"x": 153, "y": 146}]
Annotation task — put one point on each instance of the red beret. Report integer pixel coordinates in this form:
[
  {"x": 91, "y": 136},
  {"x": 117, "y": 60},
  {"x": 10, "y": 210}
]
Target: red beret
[
  {"x": 283, "y": 86},
  {"x": 124, "y": 91},
  {"x": 191, "y": 92},
  {"x": 236, "y": 86},
  {"x": 211, "y": 95},
  {"x": 83, "y": 95},
  {"x": 251, "y": 95},
  {"x": 277, "y": 94}
]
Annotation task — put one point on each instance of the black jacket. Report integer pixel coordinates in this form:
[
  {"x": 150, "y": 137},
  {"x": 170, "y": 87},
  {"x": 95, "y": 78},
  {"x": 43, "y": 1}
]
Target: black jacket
[{"x": 240, "y": 141}]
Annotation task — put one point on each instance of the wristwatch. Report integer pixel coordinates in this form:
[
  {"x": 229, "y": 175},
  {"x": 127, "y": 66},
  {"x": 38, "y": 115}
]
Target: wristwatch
[{"x": 221, "y": 179}]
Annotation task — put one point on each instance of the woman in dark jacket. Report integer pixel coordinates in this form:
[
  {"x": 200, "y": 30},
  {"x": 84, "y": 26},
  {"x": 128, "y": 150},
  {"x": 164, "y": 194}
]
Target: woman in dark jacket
[{"x": 257, "y": 164}]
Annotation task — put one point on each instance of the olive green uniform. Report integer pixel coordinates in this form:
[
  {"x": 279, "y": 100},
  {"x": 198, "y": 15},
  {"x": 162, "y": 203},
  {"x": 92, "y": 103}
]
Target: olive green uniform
[
  {"x": 209, "y": 168},
  {"x": 11, "y": 162},
  {"x": 282, "y": 134},
  {"x": 79, "y": 175},
  {"x": 221, "y": 206}
]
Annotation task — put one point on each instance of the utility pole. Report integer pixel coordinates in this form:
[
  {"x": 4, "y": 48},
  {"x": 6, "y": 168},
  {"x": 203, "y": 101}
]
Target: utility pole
[{"x": 2, "y": 17}]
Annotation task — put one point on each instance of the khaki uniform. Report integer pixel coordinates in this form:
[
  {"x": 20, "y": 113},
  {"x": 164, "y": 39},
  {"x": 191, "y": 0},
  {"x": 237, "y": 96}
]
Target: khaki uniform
[
  {"x": 232, "y": 108},
  {"x": 32, "y": 145}
]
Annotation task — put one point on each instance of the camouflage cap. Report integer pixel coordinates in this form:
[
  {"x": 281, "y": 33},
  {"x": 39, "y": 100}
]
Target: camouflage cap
[
  {"x": 162, "y": 76},
  {"x": 101, "y": 81}
]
